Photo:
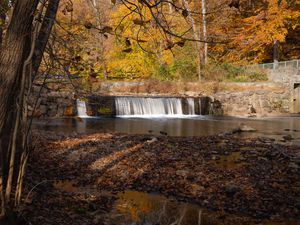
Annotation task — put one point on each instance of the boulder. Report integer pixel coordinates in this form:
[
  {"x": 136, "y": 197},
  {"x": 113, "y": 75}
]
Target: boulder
[
  {"x": 231, "y": 189},
  {"x": 246, "y": 128}
]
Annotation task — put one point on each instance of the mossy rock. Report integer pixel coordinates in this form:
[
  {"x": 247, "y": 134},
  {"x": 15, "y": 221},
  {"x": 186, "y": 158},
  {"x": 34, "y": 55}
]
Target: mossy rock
[{"x": 104, "y": 111}]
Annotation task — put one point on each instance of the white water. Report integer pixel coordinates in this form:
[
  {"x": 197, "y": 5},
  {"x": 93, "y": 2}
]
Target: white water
[
  {"x": 81, "y": 108},
  {"x": 191, "y": 104},
  {"x": 200, "y": 106},
  {"x": 152, "y": 107}
]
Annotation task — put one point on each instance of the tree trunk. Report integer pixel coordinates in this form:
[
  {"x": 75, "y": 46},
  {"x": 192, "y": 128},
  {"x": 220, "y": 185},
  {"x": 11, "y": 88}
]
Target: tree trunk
[
  {"x": 196, "y": 35},
  {"x": 204, "y": 31},
  {"x": 2, "y": 21},
  {"x": 44, "y": 34},
  {"x": 14, "y": 51}
]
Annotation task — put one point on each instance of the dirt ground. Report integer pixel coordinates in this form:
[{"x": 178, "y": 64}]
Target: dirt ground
[{"x": 74, "y": 179}]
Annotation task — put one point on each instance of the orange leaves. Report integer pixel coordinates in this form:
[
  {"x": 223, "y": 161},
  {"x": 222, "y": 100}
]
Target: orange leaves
[{"x": 258, "y": 31}]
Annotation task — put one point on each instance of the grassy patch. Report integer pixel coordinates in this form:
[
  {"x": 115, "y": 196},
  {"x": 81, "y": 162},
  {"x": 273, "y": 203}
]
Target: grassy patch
[{"x": 232, "y": 73}]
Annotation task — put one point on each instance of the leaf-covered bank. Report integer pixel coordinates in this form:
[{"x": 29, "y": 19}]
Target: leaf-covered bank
[{"x": 243, "y": 181}]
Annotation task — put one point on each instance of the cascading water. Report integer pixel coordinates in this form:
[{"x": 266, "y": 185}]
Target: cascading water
[
  {"x": 81, "y": 108},
  {"x": 200, "y": 106},
  {"x": 139, "y": 106},
  {"x": 191, "y": 106}
]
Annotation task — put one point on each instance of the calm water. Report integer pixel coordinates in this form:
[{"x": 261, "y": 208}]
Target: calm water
[
  {"x": 138, "y": 208},
  {"x": 190, "y": 126}
]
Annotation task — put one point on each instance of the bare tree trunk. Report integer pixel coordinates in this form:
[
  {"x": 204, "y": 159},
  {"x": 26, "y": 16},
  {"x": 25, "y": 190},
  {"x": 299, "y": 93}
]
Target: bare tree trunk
[
  {"x": 196, "y": 35},
  {"x": 205, "y": 50},
  {"x": 44, "y": 34},
  {"x": 100, "y": 19}
]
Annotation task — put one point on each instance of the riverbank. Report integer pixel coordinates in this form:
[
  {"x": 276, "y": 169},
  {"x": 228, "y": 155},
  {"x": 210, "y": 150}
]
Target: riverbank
[{"x": 74, "y": 179}]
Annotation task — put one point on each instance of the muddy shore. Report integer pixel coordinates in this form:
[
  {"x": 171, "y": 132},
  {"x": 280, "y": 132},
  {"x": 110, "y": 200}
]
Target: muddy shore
[{"x": 75, "y": 179}]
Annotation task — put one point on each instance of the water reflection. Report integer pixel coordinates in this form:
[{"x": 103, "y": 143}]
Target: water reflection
[
  {"x": 137, "y": 208},
  {"x": 194, "y": 126},
  {"x": 231, "y": 161},
  {"x": 65, "y": 185}
]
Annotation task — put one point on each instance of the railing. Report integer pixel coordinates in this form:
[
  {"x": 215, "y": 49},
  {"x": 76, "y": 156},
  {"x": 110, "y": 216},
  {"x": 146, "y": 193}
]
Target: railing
[{"x": 279, "y": 65}]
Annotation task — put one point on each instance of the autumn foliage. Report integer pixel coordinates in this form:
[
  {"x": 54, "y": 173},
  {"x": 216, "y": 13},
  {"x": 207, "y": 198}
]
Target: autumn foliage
[{"x": 113, "y": 40}]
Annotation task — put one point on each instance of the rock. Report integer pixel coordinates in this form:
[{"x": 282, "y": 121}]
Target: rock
[
  {"x": 163, "y": 133},
  {"x": 231, "y": 189},
  {"x": 293, "y": 166},
  {"x": 252, "y": 109},
  {"x": 266, "y": 140},
  {"x": 195, "y": 189},
  {"x": 152, "y": 140},
  {"x": 215, "y": 157},
  {"x": 69, "y": 111},
  {"x": 182, "y": 173},
  {"x": 287, "y": 137},
  {"x": 245, "y": 128},
  {"x": 191, "y": 93}
]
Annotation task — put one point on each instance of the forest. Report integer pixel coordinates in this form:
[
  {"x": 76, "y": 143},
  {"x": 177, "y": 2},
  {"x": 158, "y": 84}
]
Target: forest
[
  {"x": 179, "y": 40},
  {"x": 208, "y": 137}
]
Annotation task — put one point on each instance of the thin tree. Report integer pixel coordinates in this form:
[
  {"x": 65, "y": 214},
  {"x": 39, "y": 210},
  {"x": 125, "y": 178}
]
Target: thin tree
[
  {"x": 196, "y": 33},
  {"x": 205, "y": 50}
]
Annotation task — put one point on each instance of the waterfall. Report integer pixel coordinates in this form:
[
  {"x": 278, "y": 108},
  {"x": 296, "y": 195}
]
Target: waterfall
[
  {"x": 128, "y": 106},
  {"x": 191, "y": 105},
  {"x": 200, "y": 107},
  {"x": 81, "y": 108}
]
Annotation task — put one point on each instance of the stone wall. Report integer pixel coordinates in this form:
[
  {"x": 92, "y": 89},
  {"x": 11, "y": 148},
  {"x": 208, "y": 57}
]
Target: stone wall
[
  {"x": 101, "y": 105},
  {"x": 233, "y": 99},
  {"x": 251, "y": 103},
  {"x": 52, "y": 104}
]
